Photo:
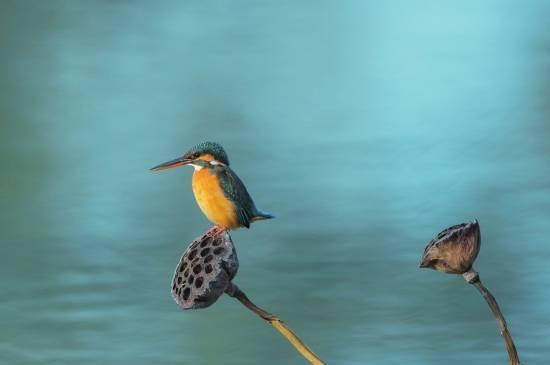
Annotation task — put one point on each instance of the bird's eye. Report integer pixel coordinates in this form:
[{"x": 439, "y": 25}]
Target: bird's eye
[{"x": 195, "y": 155}]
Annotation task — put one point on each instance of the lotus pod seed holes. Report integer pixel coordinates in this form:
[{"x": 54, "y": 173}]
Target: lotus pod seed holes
[
  {"x": 206, "y": 241},
  {"x": 205, "y": 271},
  {"x": 198, "y": 282}
]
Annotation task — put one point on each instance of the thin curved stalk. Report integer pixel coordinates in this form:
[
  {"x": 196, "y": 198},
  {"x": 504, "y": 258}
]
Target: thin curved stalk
[
  {"x": 234, "y": 291},
  {"x": 472, "y": 277}
]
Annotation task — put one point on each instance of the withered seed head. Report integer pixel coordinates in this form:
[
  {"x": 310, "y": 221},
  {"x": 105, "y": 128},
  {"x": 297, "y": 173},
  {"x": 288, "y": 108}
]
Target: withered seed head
[
  {"x": 454, "y": 250},
  {"x": 205, "y": 270}
]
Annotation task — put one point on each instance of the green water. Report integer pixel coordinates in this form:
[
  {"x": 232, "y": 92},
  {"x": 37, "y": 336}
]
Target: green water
[{"x": 365, "y": 127}]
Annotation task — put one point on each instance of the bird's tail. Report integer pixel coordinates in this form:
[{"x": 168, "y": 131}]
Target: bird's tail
[{"x": 260, "y": 216}]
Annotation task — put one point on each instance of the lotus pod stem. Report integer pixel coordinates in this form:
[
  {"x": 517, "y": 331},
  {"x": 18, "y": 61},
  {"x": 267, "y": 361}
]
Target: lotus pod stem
[
  {"x": 472, "y": 277},
  {"x": 234, "y": 291}
]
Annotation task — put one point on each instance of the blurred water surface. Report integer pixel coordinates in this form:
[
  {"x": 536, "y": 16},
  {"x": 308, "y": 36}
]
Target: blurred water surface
[{"x": 366, "y": 127}]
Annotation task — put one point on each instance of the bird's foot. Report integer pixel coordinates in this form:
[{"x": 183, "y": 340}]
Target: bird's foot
[{"x": 215, "y": 230}]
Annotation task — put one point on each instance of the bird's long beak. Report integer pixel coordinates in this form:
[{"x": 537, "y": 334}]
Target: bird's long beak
[{"x": 170, "y": 164}]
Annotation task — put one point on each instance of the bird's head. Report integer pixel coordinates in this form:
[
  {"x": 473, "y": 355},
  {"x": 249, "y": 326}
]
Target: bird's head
[{"x": 202, "y": 155}]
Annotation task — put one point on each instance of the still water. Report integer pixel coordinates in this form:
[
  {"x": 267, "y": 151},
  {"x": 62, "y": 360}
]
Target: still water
[{"x": 365, "y": 127}]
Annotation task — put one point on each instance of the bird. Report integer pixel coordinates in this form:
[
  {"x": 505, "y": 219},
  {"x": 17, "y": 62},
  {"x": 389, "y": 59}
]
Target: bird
[{"x": 219, "y": 192}]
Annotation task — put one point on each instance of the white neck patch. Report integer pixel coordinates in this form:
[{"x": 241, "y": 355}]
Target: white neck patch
[{"x": 216, "y": 163}]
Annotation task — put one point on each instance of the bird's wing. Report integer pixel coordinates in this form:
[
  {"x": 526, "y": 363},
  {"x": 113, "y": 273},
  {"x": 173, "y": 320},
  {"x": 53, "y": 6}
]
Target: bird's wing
[{"x": 235, "y": 190}]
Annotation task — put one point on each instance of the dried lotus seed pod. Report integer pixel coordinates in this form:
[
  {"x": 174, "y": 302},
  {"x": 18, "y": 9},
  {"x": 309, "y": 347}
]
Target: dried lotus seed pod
[
  {"x": 205, "y": 270},
  {"x": 454, "y": 250}
]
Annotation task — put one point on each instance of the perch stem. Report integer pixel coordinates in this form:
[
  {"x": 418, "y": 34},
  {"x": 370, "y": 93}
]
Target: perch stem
[
  {"x": 472, "y": 277},
  {"x": 234, "y": 291}
]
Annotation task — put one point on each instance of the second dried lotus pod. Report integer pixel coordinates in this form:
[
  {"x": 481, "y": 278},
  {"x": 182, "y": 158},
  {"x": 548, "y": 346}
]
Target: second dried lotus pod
[
  {"x": 205, "y": 270},
  {"x": 454, "y": 250}
]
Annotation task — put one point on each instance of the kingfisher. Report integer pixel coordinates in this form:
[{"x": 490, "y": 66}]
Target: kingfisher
[{"x": 219, "y": 192}]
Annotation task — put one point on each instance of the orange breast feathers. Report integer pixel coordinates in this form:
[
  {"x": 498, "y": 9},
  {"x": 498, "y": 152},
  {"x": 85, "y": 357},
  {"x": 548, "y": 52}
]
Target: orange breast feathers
[{"x": 212, "y": 201}]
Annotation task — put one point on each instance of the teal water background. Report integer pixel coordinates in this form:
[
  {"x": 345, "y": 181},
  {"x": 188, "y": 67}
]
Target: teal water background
[{"x": 365, "y": 127}]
